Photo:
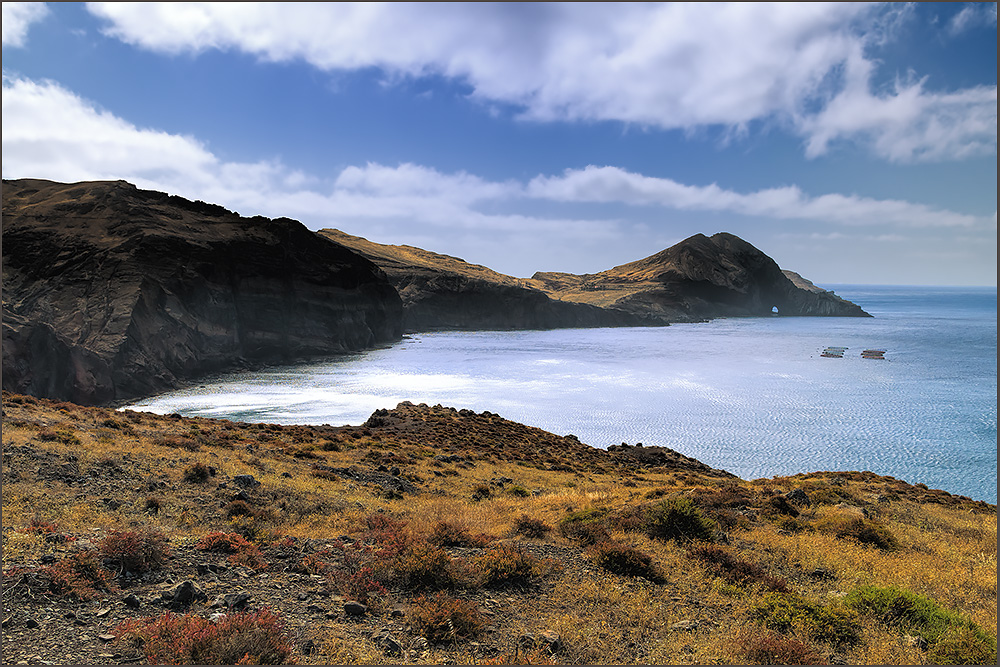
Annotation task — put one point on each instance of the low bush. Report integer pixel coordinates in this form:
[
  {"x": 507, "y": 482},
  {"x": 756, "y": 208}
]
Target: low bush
[
  {"x": 135, "y": 551},
  {"x": 785, "y": 612},
  {"x": 241, "y": 552},
  {"x": 482, "y": 492},
  {"x": 504, "y": 565},
  {"x": 448, "y": 534},
  {"x": 678, "y": 519},
  {"x": 518, "y": 491},
  {"x": 79, "y": 576},
  {"x": 724, "y": 564},
  {"x": 963, "y": 645},
  {"x": 865, "y": 531},
  {"x": 529, "y": 527},
  {"x": 244, "y": 638},
  {"x": 625, "y": 560},
  {"x": 441, "y": 618},
  {"x": 766, "y": 648},
  {"x": 417, "y": 565},
  {"x": 949, "y": 635},
  {"x": 64, "y": 435},
  {"x": 196, "y": 473},
  {"x": 354, "y": 576}
]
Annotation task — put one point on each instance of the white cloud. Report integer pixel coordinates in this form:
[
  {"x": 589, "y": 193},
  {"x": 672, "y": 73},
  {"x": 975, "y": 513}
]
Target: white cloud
[
  {"x": 973, "y": 15},
  {"x": 615, "y": 185},
  {"x": 670, "y": 66},
  {"x": 18, "y": 17},
  {"x": 907, "y": 124}
]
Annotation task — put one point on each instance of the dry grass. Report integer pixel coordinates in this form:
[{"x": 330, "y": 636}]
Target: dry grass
[{"x": 73, "y": 473}]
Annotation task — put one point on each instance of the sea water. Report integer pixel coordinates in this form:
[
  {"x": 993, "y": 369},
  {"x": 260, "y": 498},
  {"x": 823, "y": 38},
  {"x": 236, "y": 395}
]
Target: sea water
[{"x": 752, "y": 396}]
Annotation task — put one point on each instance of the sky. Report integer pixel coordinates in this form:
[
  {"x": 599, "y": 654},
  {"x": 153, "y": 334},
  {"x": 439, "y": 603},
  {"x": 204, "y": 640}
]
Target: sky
[{"x": 853, "y": 143}]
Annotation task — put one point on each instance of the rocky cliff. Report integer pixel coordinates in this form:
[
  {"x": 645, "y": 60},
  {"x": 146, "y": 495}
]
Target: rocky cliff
[
  {"x": 111, "y": 292},
  {"x": 440, "y": 292},
  {"x": 700, "y": 278}
]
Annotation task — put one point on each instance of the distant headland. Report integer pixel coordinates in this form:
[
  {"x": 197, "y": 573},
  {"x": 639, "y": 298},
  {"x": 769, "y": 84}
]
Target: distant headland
[{"x": 111, "y": 292}]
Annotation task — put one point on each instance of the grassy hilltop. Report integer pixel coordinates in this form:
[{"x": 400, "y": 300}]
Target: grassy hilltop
[{"x": 431, "y": 535}]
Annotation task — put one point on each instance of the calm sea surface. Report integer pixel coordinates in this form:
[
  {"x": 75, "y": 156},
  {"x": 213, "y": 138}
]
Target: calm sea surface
[{"x": 752, "y": 396}]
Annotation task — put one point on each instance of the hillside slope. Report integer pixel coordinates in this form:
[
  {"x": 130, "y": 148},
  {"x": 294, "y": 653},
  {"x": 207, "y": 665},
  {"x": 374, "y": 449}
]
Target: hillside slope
[
  {"x": 111, "y": 292},
  {"x": 431, "y": 535}
]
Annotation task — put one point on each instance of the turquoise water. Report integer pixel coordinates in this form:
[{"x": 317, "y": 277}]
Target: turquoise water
[{"x": 752, "y": 396}]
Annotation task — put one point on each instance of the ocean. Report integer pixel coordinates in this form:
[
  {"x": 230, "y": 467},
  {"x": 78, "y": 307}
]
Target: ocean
[{"x": 752, "y": 396}]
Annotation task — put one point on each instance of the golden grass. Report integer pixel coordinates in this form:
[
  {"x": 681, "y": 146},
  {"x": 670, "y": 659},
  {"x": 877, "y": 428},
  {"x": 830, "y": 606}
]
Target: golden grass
[{"x": 947, "y": 548}]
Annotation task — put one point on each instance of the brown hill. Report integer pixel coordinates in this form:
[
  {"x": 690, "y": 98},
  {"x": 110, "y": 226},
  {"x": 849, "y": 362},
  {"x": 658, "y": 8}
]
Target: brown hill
[
  {"x": 111, "y": 292},
  {"x": 441, "y": 292},
  {"x": 700, "y": 278}
]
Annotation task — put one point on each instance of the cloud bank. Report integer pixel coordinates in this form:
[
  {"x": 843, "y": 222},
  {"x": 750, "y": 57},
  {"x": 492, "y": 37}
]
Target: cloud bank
[
  {"x": 49, "y": 131},
  {"x": 17, "y": 18},
  {"x": 677, "y": 66}
]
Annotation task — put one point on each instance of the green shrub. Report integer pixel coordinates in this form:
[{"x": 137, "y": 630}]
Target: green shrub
[
  {"x": 442, "y": 618},
  {"x": 625, "y": 560},
  {"x": 964, "y": 645},
  {"x": 678, "y": 519},
  {"x": 244, "y": 638},
  {"x": 784, "y": 612},
  {"x": 949, "y": 635},
  {"x": 418, "y": 565},
  {"x": 518, "y": 491}
]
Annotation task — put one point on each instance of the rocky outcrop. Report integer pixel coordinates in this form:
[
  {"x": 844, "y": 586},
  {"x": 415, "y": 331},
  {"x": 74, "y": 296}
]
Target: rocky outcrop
[
  {"x": 111, "y": 292},
  {"x": 700, "y": 278},
  {"x": 440, "y": 292}
]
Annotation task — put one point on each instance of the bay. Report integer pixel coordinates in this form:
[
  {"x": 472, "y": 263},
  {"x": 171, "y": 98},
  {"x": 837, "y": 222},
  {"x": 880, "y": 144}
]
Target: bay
[{"x": 752, "y": 396}]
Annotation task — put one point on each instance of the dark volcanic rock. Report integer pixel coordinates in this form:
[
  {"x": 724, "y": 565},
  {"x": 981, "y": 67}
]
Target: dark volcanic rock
[{"x": 110, "y": 292}]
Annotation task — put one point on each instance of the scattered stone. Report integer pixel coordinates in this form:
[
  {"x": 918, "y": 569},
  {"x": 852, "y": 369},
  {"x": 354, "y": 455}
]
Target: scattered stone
[
  {"x": 206, "y": 568},
  {"x": 399, "y": 611},
  {"x": 685, "y": 626},
  {"x": 798, "y": 497},
  {"x": 394, "y": 471},
  {"x": 315, "y": 608},
  {"x": 286, "y": 475},
  {"x": 916, "y": 640},
  {"x": 352, "y": 608},
  {"x": 106, "y": 638},
  {"x": 101, "y": 613},
  {"x": 6, "y": 621},
  {"x": 246, "y": 481},
  {"x": 308, "y": 647},
  {"x": 31, "y": 624},
  {"x": 232, "y": 601},
  {"x": 384, "y": 640},
  {"x": 183, "y": 593},
  {"x": 131, "y": 601}
]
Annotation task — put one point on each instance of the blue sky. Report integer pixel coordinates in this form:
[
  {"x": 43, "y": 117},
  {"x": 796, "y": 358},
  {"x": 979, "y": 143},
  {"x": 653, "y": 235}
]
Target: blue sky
[{"x": 852, "y": 143}]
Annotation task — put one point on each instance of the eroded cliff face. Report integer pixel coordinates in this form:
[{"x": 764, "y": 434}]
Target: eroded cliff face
[
  {"x": 110, "y": 292},
  {"x": 698, "y": 279},
  {"x": 440, "y": 292}
]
